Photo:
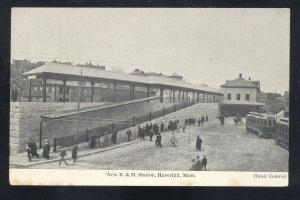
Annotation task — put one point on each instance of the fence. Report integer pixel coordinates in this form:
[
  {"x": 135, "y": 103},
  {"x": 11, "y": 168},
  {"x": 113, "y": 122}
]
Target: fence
[{"x": 107, "y": 127}]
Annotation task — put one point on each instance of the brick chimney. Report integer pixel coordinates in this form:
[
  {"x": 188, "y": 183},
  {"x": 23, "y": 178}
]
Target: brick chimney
[
  {"x": 249, "y": 78},
  {"x": 240, "y": 75}
]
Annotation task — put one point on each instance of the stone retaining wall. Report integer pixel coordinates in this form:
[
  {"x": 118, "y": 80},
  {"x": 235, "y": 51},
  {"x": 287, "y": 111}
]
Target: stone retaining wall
[{"x": 25, "y": 120}]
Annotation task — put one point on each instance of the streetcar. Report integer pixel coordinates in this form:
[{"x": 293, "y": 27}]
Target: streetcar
[
  {"x": 282, "y": 132},
  {"x": 261, "y": 124}
]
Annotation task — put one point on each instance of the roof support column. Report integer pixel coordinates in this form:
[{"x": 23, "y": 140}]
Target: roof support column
[
  {"x": 183, "y": 96},
  {"x": 64, "y": 90},
  {"x": 148, "y": 91},
  {"x": 187, "y": 97},
  {"x": 115, "y": 92},
  {"x": 92, "y": 92},
  {"x": 133, "y": 87},
  {"x": 29, "y": 90},
  {"x": 161, "y": 94},
  {"x": 44, "y": 89},
  {"x": 170, "y": 95},
  {"x": 203, "y": 99},
  {"x": 54, "y": 92},
  {"x": 174, "y": 96},
  {"x": 198, "y": 97},
  {"x": 193, "y": 97},
  {"x": 179, "y": 93},
  {"x": 214, "y": 98}
]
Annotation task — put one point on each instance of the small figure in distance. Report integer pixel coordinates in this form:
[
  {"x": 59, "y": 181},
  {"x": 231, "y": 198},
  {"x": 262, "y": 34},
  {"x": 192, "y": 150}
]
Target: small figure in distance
[
  {"x": 63, "y": 154},
  {"x": 204, "y": 162},
  {"x": 74, "y": 152},
  {"x": 173, "y": 139}
]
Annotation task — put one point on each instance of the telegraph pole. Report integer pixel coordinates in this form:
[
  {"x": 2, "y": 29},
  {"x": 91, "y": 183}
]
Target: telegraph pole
[{"x": 78, "y": 105}]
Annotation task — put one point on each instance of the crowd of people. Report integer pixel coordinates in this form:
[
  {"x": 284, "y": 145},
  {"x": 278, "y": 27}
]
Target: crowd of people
[
  {"x": 199, "y": 164},
  {"x": 193, "y": 121},
  {"x": 149, "y": 130}
]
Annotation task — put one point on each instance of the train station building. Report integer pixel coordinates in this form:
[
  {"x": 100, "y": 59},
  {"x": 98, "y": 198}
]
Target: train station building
[{"x": 240, "y": 96}]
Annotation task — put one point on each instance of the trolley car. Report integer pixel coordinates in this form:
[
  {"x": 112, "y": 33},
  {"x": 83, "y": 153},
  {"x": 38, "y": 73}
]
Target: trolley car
[
  {"x": 262, "y": 124},
  {"x": 282, "y": 133}
]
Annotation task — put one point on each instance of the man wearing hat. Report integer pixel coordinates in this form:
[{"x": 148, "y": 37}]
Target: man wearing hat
[{"x": 46, "y": 150}]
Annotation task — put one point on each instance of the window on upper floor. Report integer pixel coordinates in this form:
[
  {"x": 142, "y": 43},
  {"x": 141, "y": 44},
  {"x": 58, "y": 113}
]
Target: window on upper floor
[
  {"x": 238, "y": 96},
  {"x": 229, "y": 96},
  {"x": 247, "y": 97}
]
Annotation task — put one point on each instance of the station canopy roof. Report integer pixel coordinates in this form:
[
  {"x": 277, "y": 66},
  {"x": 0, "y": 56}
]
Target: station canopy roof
[{"x": 59, "y": 71}]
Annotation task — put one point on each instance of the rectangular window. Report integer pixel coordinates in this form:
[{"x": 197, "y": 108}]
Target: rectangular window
[
  {"x": 247, "y": 97},
  {"x": 229, "y": 96},
  {"x": 238, "y": 96}
]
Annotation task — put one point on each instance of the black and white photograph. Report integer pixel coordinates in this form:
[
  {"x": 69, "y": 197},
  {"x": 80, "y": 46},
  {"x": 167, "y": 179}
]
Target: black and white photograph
[{"x": 149, "y": 96}]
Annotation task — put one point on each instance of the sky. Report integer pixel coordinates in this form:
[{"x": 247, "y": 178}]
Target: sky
[{"x": 203, "y": 45}]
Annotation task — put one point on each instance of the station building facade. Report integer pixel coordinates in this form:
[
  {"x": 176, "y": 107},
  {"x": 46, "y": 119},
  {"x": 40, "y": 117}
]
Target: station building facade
[{"x": 240, "y": 97}]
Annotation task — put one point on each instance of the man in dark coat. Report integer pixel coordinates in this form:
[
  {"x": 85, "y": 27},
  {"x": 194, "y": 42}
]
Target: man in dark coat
[
  {"x": 150, "y": 135},
  {"x": 159, "y": 140},
  {"x": 147, "y": 129},
  {"x": 155, "y": 129},
  {"x": 93, "y": 141},
  {"x": 46, "y": 150},
  {"x": 74, "y": 152},
  {"x": 204, "y": 162},
  {"x": 199, "y": 121},
  {"x": 128, "y": 133},
  {"x": 114, "y": 137},
  {"x": 162, "y": 127},
  {"x": 140, "y": 132},
  {"x": 198, "y": 143},
  {"x": 206, "y": 119},
  {"x": 222, "y": 120},
  {"x": 33, "y": 149},
  {"x": 202, "y": 120}
]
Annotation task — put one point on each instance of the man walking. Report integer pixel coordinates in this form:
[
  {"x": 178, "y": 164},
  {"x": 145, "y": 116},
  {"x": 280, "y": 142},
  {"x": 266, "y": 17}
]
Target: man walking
[
  {"x": 62, "y": 157},
  {"x": 173, "y": 139},
  {"x": 46, "y": 150},
  {"x": 150, "y": 134},
  {"x": 198, "y": 143},
  {"x": 128, "y": 133},
  {"x": 204, "y": 162},
  {"x": 74, "y": 152},
  {"x": 159, "y": 140}
]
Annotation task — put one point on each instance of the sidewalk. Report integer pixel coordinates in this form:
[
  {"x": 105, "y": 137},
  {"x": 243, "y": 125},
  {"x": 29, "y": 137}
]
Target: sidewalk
[{"x": 21, "y": 160}]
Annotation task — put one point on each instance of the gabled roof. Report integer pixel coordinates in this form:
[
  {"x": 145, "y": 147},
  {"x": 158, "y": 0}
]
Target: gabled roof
[{"x": 240, "y": 82}]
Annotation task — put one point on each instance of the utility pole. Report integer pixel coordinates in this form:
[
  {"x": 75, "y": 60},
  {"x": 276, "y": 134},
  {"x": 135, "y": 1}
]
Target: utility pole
[{"x": 78, "y": 105}]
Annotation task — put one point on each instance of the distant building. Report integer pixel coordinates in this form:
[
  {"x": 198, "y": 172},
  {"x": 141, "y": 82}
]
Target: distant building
[
  {"x": 264, "y": 97},
  {"x": 176, "y": 76},
  {"x": 240, "y": 96},
  {"x": 138, "y": 72}
]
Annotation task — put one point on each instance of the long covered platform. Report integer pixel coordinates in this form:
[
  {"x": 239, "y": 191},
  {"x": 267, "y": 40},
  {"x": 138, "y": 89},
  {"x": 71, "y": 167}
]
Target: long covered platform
[{"x": 64, "y": 73}]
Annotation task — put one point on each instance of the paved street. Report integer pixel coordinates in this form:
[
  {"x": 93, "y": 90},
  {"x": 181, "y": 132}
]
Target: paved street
[{"x": 228, "y": 148}]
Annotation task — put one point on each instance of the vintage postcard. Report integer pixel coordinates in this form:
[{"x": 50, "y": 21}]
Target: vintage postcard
[{"x": 149, "y": 97}]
